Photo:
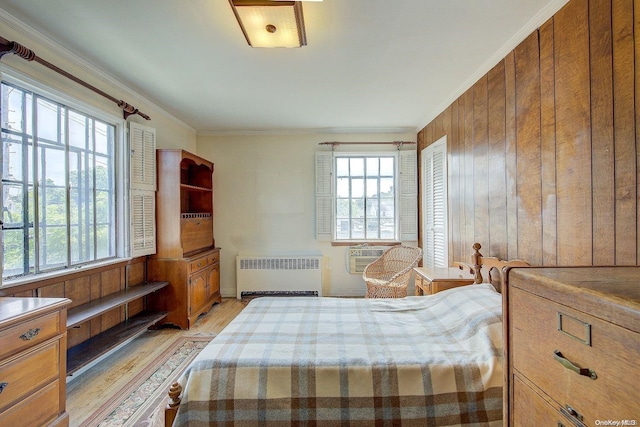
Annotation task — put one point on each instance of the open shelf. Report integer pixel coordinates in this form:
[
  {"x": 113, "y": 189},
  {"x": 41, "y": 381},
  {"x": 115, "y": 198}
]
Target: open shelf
[
  {"x": 195, "y": 188},
  {"x": 95, "y": 308},
  {"x": 99, "y": 345},
  {"x": 195, "y": 174},
  {"x": 92, "y": 349}
]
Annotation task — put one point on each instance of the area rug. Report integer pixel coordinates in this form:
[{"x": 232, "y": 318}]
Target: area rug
[{"x": 139, "y": 402}]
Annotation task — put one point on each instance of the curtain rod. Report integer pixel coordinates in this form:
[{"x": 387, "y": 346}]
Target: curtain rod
[
  {"x": 7, "y": 47},
  {"x": 396, "y": 143}
]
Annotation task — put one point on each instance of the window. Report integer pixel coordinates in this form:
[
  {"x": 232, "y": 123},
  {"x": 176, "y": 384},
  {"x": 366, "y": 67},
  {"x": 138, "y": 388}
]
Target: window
[
  {"x": 366, "y": 196},
  {"x": 60, "y": 185}
]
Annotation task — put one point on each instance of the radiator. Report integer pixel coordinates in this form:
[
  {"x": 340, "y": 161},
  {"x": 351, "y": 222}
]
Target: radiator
[{"x": 267, "y": 275}]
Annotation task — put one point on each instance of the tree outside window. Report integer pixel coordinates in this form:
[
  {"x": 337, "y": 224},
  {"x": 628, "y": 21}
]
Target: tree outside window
[{"x": 58, "y": 185}]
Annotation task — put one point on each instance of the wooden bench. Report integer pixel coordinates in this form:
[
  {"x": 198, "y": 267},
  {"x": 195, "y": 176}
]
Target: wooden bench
[{"x": 92, "y": 349}]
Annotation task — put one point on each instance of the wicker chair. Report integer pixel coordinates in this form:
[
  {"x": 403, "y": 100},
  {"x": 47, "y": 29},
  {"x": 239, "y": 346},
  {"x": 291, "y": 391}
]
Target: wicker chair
[{"x": 388, "y": 276}]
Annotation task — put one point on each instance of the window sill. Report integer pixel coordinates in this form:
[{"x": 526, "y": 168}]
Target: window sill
[
  {"x": 64, "y": 274},
  {"x": 365, "y": 242}
]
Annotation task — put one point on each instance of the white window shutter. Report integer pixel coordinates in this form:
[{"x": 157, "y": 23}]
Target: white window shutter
[
  {"x": 408, "y": 199},
  {"x": 142, "y": 141},
  {"x": 324, "y": 196},
  {"x": 143, "y": 222},
  {"x": 143, "y": 156}
]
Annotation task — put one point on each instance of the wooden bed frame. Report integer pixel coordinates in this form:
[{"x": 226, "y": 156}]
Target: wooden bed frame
[
  {"x": 488, "y": 264},
  {"x": 478, "y": 263}
]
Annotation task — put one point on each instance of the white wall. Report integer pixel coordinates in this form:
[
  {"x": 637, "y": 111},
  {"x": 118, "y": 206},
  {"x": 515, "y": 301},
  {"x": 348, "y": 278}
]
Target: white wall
[
  {"x": 171, "y": 132},
  {"x": 255, "y": 177}
]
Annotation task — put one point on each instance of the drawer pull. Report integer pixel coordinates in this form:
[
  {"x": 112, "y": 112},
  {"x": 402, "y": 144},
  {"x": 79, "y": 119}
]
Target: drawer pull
[
  {"x": 572, "y": 414},
  {"x": 3, "y": 385},
  {"x": 567, "y": 364},
  {"x": 30, "y": 334}
]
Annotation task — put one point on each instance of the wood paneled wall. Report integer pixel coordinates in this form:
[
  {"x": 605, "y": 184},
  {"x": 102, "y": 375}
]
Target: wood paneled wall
[
  {"x": 543, "y": 151},
  {"x": 83, "y": 286}
]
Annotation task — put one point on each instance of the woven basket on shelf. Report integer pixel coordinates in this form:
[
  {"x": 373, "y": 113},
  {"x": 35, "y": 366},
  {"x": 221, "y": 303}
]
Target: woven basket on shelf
[{"x": 388, "y": 276}]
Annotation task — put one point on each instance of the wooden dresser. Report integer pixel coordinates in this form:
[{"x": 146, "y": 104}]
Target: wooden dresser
[
  {"x": 33, "y": 350},
  {"x": 573, "y": 346}
]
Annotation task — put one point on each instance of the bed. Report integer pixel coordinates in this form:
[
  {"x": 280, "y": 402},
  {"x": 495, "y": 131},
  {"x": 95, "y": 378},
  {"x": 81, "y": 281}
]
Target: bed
[{"x": 415, "y": 361}]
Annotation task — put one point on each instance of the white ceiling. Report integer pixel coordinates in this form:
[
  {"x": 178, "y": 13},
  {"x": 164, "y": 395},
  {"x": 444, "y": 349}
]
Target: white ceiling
[{"x": 369, "y": 65}]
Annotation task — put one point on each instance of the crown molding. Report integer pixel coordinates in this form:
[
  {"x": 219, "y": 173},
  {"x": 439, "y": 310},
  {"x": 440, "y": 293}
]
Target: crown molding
[
  {"x": 532, "y": 25},
  {"x": 307, "y": 131},
  {"x": 31, "y": 33}
]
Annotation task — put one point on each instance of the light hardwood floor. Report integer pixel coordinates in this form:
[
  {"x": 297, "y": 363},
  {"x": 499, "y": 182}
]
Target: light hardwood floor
[{"x": 90, "y": 389}]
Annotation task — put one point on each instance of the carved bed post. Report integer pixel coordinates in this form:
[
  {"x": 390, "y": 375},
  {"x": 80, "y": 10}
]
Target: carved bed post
[
  {"x": 173, "y": 404},
  {"x": 476, "y": 262}
]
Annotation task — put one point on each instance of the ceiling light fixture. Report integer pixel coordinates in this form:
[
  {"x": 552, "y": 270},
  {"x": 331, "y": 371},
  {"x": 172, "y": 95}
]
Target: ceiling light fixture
[{"x": 270, "y": 23}]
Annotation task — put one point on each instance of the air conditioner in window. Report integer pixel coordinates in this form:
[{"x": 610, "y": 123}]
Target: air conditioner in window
[{"x": 361, "y": 256}]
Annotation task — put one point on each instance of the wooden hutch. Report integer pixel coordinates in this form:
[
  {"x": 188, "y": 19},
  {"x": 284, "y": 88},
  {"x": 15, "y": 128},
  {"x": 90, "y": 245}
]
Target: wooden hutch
[{"x": 186, "y": 255}]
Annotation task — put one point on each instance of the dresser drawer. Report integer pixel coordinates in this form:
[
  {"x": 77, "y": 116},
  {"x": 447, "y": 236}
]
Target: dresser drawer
[
  {"x": 27, "y": 373},
  {"x": 198, "y": 264},
  {"x": 214, "y": 257},
  {"x": 29, "y": 333},
  {"x": 531, "y": 409},
  {"x": 425, "y": 285},
  {"x": 41, "y": 408},
  {"x": 540, "y": 328}
]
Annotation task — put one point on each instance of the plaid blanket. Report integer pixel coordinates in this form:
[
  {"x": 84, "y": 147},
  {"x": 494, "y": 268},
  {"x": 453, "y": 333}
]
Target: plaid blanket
[{"x": 416, "y": 361}]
